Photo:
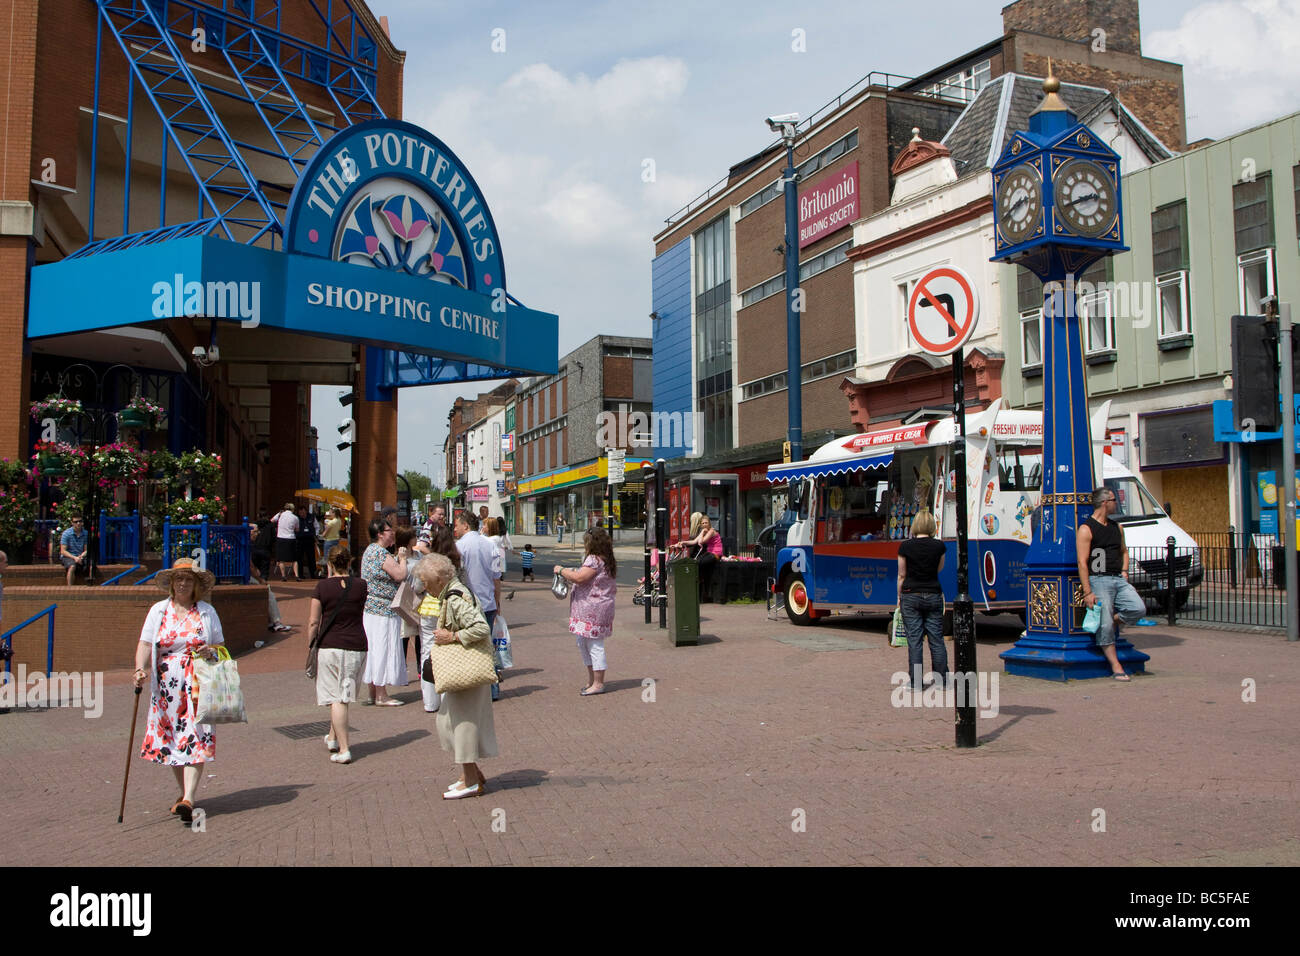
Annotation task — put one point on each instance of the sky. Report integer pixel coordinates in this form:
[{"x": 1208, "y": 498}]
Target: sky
[{"x": 561, "y": 110}]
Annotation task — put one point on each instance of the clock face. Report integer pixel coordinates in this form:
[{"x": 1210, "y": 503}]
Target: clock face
[
  {"x": 1020, "y": 204},
  {"x": 1084, "y": 196}
]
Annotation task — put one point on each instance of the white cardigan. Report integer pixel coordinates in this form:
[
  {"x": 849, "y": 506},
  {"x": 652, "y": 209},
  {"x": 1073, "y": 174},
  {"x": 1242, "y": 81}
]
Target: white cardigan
[{"x": 210, "y": 623}]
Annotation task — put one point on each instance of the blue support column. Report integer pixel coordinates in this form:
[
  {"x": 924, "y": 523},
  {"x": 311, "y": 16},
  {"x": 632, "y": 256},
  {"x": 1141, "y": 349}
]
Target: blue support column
[{"x": 1055, "y": 645}]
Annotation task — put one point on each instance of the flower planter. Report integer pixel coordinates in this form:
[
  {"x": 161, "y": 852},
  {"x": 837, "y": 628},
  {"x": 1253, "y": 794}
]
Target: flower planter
[
  {"x": 131, "y": 418},
  {"x": 53, "y": 466}
]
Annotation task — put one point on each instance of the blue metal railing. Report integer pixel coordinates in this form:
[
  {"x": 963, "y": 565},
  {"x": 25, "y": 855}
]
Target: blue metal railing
[
  {"x": 226, "y": 549},
  {"x": 117, "y": 577},
  {"x": 119, "y": 538},
  {"x": 7, "y": 638}
]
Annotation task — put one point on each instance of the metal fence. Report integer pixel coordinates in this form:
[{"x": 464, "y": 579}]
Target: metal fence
[
  {"x": 119, "y": 539},
  {"x": 1227, "y": 578},
  {"x": 226, "y": 549}
]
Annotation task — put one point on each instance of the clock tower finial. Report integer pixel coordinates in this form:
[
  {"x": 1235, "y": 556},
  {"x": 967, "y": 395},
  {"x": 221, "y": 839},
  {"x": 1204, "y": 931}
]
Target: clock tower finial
[{"x": 1052, "y": 115}]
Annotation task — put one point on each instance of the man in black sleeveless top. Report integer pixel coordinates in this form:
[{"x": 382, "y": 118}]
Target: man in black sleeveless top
[{"x": 1103, "y": 572}]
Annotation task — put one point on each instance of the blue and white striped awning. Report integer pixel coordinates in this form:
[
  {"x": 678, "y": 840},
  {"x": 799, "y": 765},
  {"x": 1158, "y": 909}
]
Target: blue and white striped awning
[{"x": 806, "y": 469}]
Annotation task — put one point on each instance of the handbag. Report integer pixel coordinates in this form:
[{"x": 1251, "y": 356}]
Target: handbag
[
  {"x": 457, "y": 667},
  {"x": 220, "y": 701},
  {"x": 559, "y": 586},
  {"x": 1092, "y": 619},
  {"x": 897, "y": 631},
  {"x": 314, "y": 648},
  {"x": 501, "y": 651}
]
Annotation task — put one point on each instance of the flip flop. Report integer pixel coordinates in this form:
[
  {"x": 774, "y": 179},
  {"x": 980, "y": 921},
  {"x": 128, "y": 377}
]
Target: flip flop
[
  {"x": 391, "y": 702},
  {"x": 1122, "y": 678},
  {"x": 586, "y": 692}
]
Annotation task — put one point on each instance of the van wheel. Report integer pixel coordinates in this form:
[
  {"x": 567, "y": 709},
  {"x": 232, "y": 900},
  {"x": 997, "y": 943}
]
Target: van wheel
[{"x": 798, "y": 605}]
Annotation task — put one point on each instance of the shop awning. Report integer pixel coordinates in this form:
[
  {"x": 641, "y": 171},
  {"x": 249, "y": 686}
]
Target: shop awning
[
  {"x": 806, "y": 469},
  {"x": 330, "y": 496}
]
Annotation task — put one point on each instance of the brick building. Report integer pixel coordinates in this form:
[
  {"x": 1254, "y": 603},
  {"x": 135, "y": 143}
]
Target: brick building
[{"x": 565, "y": 422}]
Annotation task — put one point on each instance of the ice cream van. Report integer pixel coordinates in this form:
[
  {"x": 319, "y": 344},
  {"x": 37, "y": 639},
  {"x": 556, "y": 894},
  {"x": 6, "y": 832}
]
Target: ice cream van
[{"x": 856, "y": 498}]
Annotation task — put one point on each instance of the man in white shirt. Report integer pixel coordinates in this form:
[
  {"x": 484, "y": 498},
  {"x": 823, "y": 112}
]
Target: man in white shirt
[
  {"x": 478, "y": 559},
  {"x": 286, "y": 541}
]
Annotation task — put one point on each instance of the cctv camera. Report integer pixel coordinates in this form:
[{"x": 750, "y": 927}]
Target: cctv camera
[
  {"x": 784, "y": 119},
  {"x": 214, "y": 354}
]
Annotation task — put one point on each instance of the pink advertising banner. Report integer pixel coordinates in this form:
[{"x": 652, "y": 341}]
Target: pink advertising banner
[{"x": 829, "y": 205}]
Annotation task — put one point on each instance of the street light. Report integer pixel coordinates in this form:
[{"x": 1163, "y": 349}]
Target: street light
[{"x": 787, "y": 125}]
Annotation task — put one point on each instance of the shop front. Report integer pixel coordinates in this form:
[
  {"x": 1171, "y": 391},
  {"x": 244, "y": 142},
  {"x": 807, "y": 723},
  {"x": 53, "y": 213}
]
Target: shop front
[{"x": 579, "y": 496}]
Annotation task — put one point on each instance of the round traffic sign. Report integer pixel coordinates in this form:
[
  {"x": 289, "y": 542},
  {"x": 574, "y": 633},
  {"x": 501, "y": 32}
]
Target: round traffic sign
[{"x": 943, "y": 310}]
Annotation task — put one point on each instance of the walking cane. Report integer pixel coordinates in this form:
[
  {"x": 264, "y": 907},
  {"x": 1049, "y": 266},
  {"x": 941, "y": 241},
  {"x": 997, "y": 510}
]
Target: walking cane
[{"x": 135, "y": 712}]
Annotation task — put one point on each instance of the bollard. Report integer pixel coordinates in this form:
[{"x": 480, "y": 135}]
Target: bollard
[{"x": 1171, "y": 592}]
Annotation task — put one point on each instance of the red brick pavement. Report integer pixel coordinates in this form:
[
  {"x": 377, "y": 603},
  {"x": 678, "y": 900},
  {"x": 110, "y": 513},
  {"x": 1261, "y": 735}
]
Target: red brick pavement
[{"x": 744, "y": 731}]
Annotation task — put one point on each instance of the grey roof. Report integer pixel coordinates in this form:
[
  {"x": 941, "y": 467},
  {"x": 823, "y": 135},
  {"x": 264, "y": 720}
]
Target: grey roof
[{"x": 1004, "y": 105}]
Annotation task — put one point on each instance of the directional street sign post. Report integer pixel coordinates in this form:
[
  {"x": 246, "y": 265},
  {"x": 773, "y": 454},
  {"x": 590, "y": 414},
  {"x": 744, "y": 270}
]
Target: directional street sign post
[{"x": 942, "y": 314}]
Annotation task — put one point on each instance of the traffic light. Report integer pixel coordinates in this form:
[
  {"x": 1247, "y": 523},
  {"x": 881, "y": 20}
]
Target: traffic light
[{"x": 1255, "y": 391}]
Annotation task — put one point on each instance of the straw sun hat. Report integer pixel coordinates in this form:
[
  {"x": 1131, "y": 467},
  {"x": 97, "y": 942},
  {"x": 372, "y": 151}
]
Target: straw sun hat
[{"x": 203, "y": 583}]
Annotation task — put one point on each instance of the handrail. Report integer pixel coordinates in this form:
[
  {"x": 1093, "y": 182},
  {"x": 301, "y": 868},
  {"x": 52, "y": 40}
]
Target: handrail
[
  {"x": 147, "y": 578},
  {"x": 7, "y": 636},
  {"x": 891, "y": 81},
  {"x": 130, "y": 570}
]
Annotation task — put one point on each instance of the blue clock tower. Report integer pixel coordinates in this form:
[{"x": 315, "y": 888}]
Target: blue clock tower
[{"x": 1057, "y": 210}]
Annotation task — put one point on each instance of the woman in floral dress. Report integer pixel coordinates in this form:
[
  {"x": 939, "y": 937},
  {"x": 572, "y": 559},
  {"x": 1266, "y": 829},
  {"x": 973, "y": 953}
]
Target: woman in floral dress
[
  {"x": 591, "y": 605},
  {"x": 176, "y": 629}
]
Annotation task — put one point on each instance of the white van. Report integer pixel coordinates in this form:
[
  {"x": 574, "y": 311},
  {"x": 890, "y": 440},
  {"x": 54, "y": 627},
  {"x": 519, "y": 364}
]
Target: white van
[{"x": 856, "y": 497}]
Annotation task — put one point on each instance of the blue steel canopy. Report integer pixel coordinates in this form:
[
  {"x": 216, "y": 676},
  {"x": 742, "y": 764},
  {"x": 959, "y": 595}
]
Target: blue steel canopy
[{"x": 271, "y": 70}]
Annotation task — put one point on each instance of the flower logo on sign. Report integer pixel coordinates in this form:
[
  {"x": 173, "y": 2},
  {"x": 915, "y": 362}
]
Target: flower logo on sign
[{"x": 396, "y": 226}]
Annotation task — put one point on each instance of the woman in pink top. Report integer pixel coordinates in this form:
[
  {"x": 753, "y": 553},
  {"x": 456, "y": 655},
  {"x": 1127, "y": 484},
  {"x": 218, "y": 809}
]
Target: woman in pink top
[
  {"x": 709, "y": 543},
  {"x": 591, "y": 605}
]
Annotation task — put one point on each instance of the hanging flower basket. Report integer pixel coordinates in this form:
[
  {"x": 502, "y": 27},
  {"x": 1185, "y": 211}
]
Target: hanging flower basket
[
  {"x": 129, "y": 418},
  {"x": 139, "y": 413},
  {"x": 56, "y": 407},
  {"x": 52, "y": 465}
]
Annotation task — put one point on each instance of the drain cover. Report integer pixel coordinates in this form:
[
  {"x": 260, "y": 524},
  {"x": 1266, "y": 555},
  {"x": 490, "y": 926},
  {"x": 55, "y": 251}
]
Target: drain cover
[{"x": 317, "y": 728}]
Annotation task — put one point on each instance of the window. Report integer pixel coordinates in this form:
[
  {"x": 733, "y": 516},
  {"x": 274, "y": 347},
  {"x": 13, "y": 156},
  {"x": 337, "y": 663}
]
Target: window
[
  {"x": 1295, "y": 183},
  {"x": 1171, "y": 304},
  {"x": 774, "y": 189},
  {"x": 905, "y": 296},
  {"x": 1255, "y": 278},
  {"x": 1029, "y": 302},
  {"x": 807, "y": 269},
  {"x": 1020, "y": 469},
  {"x": 810, "y": 371},
  {"x": 964, "y": 85},
  {"x": 1096, "y": 309},
  {"x": 713, "y": 334},
  {"x": 1031, "y": 338},
  {"x": 1169, "y": 238},
  {"x": 1252, "y": 213}
]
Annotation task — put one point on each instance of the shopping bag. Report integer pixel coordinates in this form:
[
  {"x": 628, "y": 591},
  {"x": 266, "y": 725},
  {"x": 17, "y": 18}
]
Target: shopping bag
[
  {"x": 501, "y": 651},
  {"x": 897, "y": 632},
  {"x": 559, "y": 586},
  {"x": 1092, "y": 619},
  {"x": 220, "y": 701}
]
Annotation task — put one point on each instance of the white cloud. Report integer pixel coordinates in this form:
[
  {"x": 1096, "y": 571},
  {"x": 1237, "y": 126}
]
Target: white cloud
[
  {"x": 1241, "y": 63},
  {"x": 621, "y": 97}
]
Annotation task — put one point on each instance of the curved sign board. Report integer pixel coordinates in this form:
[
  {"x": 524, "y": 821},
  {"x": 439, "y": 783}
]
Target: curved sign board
[{"x": 390, "y": 198}]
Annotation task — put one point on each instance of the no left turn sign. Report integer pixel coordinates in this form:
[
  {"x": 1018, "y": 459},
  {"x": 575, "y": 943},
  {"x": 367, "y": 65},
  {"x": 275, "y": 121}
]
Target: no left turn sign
[{"x": 943, "y": 310}]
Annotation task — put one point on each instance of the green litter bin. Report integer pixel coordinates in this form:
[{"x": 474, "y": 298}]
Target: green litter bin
[{"x": 684, "y": 601}]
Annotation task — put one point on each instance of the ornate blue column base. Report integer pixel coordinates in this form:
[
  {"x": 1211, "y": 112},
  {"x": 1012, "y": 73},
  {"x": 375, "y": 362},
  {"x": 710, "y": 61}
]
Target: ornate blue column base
[{"x": 1055, "y": 645}]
